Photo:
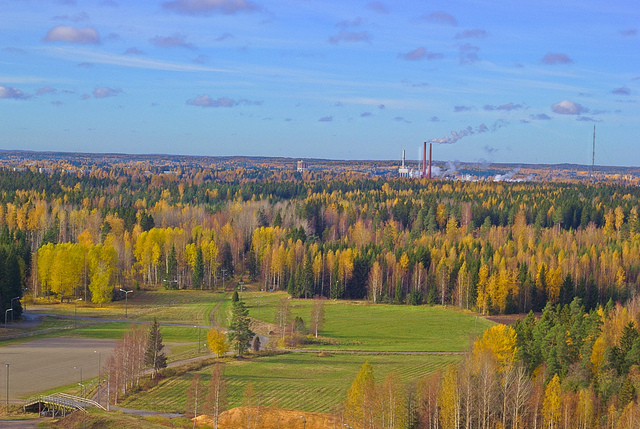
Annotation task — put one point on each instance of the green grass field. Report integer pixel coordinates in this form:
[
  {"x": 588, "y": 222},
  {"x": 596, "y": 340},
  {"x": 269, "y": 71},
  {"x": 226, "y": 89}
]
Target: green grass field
[
  {"x": 181, "y": 306},
  {"x": 381, "y": 327},
  {"x": 295, "y": 380}
]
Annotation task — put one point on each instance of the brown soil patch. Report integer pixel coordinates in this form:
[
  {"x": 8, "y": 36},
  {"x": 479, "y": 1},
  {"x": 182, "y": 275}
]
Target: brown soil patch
[
  {"x": 509, "y": 319},
  {"x": 272, "y": 418}
]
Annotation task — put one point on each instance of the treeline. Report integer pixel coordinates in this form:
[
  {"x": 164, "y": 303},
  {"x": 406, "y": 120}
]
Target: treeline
[
  {"x": 495, "y": 247},
  {"x": 15, "y": 270}
]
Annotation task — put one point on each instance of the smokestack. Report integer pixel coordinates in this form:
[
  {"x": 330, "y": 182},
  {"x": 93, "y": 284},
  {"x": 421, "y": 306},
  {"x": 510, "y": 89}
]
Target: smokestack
[
  {"x": 429, "y": 174},
  {"x": 424, "y": 160},
  {"x": 402, "y": 158}
]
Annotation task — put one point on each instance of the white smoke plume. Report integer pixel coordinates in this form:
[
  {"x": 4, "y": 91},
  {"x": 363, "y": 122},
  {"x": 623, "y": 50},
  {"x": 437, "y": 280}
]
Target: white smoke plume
[
  {"x": 506, "y": 177},
  {"x": 457, "y": 135}
]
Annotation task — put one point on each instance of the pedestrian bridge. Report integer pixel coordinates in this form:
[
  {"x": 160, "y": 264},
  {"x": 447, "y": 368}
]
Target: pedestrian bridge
[{"x": 58, "y": 404}]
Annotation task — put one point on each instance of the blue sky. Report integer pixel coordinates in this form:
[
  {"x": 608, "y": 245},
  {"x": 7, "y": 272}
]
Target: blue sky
[{"x": 486, "y": 80}]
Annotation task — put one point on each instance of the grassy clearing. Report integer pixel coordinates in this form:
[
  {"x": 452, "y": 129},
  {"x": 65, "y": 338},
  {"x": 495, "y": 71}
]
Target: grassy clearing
[
  {"x": 182, "y": 306},
  {"x": 115, "y": 330},
  {"x": 295, "y": 380},
  {"x": 355, "y": 325}
]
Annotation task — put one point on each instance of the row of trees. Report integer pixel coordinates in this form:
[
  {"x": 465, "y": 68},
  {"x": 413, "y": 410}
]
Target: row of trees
[
  {"x": 567, "y": 369},
  {"x": 140, "y": 348}
]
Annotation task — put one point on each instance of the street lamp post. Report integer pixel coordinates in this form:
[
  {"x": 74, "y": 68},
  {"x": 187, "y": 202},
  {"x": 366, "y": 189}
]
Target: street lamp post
[
  {"x": 7, "y": 365},
  {"x": 75, "y": 312},
  {"x": 99, "y": 379},
  {"x": 126, "y": 300},
  {"x": 304, "y": 422},
  {"x": 5, "y": 319},
  {"x": 13, "y": 299},
  {"x": 84, "y": 394},
  {"x": 198, "y": 337}
]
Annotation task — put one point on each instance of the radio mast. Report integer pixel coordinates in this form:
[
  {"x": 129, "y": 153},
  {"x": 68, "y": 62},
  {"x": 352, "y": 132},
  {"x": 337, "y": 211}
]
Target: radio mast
[{"x": 593, "y": 153}]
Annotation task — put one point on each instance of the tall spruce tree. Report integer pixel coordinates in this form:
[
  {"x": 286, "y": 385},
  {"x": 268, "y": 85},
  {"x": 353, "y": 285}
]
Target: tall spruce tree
[
  {"x": 155, "y": 357},
  {"x": 240, "y": 334}
]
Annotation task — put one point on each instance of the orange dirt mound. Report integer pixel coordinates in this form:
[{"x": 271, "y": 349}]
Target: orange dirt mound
[{"x": 271, "y": 418}]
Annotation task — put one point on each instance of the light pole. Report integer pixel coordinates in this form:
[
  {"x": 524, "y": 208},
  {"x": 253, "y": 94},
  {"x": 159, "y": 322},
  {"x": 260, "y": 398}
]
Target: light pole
[
  {"x": 84, "y": 406},
  {"x": 304, "y": 422},
  {"x": 126, "y": 300},
  {"x": 198, "y": 337},
  {"x": 75, "y": 312},
  {"x": 13, "y": 299},
  {"x": 7, "y": 365},
  {"x": 5, "y": 319},
  {"x": 99, "y": 379}
]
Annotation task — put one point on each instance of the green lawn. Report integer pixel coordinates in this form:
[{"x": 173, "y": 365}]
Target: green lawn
[
  {"x": 295, "y": 380},
  {"x": 381, "y": 327},
  {"x": 181, "y": 306}
]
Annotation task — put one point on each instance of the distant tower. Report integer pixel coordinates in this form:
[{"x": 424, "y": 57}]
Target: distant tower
[
  {"x": 593, "y": 153},
  {"x": 403, "y": 171},
  {"x": 302, "y": 166}
]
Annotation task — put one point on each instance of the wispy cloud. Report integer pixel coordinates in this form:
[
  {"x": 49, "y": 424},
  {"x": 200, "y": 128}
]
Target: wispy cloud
[
  {"x": 621, "y": 91},
  {"x": 459, "y": 109},
  {"x": 540, "y": 117},
  {"x": 475, "y": 33},
  {"x": 505, "y": 107},
  {"x": 65, "y": 33},
  {"x": 177, "y": 40},
  {"x": 206, "y": 101},
  {"x": 556, "y": 58},
  {"x": 209, "y": 7},
  {"x": 468, "y": 54},
  {"x": 79, "y": 17},
  {"x": 378, "y": 7},
  {"x": 350, "y": 37},
  {"x": 223, "y": 37},
  {"x": 133, "y": 51},
  {"x": 420, "y": 53},
  {"x": 345, "y": 23},
  {"x": 365, "y": 114},
  {"x": 439, "y": 17},
  {"x": 45, "y": 90},
  {"x": 629, "y": 32},
  {"x": 566, "y": 107},
  {"x": 76, "y": 54},
  {"x": 104, "y": 92},
  {"x": 587, "y": 119},
  {"x": 326, "y": 119}
]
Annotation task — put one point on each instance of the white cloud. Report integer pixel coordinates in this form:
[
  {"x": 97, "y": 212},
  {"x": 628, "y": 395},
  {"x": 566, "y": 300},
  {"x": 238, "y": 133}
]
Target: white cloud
[
  {"x": 104, "y": 92},
  {"x": 14, "y": 93},
  {"x": 566, "y": 107},
  {"x": 65, "y": 33}
]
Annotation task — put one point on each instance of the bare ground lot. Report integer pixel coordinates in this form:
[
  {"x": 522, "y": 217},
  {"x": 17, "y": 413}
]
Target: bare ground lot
[{"x": 46, "y": 363}]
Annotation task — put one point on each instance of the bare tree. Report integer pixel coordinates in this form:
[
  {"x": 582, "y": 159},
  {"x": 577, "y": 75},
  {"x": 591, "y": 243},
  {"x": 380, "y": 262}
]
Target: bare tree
[
  {"x": 216, "y": 401},
  {"x": 317, "y": 315}
]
